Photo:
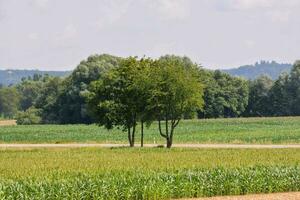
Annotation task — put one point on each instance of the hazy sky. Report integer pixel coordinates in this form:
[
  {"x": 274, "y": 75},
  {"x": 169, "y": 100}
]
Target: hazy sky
[{"x": 58, "y": 34}]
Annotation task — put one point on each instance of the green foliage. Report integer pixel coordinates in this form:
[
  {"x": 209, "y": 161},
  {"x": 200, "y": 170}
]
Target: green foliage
[
  {"x": 120, "y": 97},
  {"x": 282, "y": 99},
  {"x": 175, "y": 91},
  {"x": 224, "y": 96},
  {"x": 47, "y": 99},
  {"x": 9, "y": 101},
  {"x": 155, "y": 89},
  {"x": 294, "y": 89},
  {"x": 30, "y": 116},
  {"x": 29, "y": 90},
  {"x": 143, "y": 90},
  {"x": 259, "y": 102},
  {"x": 176, "y": 87},
  {"x": 279, "y": 97},
  {"x": 73, "y": 108}
]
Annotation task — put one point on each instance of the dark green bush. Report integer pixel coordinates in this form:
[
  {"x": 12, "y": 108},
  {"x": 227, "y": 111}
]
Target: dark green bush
[{"x": 30, "y": 116}]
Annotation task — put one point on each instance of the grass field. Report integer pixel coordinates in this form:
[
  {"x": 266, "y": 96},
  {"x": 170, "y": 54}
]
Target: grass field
[
  {"x": 250, "y": 130},
  {"x": 152, "y": 173}
]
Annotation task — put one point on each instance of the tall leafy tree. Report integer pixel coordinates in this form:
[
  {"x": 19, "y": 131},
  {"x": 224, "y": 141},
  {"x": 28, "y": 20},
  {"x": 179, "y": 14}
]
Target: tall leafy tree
[
  {"x": 294, "y": 88},
  {"x": 73, "y": 108},
  {"x": 175, "y": 90},
  {"x": 29, "y": 90},
  {"x": 259, "y": 101},
  {"x": 224, "y": 95},
  {"x": 280, "y": 97},
  {"x": 9, "y": 101},
  {"x": 118, "y": 98},
  {"x": 47, "y": 101},
  {"x": 142, "y": 84}
]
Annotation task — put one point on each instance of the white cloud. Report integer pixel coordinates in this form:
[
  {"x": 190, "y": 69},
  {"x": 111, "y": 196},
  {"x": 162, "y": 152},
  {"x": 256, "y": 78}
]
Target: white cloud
[
  {"x": 69, "y": 33},
  {"x": 40, "y": 3},
  {"x": 33, "y": 36},
  {"x": 275, "y": 10},
  {"x": 249, "y": 43},
  {"x": 171, "y": 9},
  {"x": 249, "y": 4},
  {"x": 279, "y": 15},
  {"x": 163, "y": 48},
  {"x": 111, "y": 12},
  {"x": 1, "y": 10},
  {"x": 259, "y": 4}
]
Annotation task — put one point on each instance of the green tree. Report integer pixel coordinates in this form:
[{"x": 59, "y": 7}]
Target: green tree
[
  {"x": 73, "y": 108},
  {"x": 293, "y": 89},
  {"x": 9, "y": 101},
  {"x": 224, "y": 95},
  {"x": 47, "y": 100},
  {"x": 119, "y": 97},
  {"x": 142, "y": 84},
  {"x": 175, "y": 91},
  {"x": 280, "y": 97},
  {"x": 29, "y": 90},
  {"x": 259, "y": 102},
  {"x": 30, "y": 116}
]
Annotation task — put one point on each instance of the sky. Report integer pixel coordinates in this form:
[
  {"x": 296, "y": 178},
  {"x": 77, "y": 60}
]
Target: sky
[{"x": 58, "y": 34}]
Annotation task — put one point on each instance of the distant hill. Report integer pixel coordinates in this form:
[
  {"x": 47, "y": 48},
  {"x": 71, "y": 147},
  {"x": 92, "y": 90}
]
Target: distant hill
[
  {"x": 8, "y": 77},
  {"x": 272, "y": 69}
]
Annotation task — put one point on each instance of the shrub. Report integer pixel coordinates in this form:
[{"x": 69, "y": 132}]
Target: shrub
[{"x": 30, "y": 116}]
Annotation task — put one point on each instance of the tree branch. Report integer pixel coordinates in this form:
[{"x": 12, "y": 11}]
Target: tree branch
[
  {"x": 176, "y": 123},
  {"x": 159, "y": 128},
  {"x": 167, "y": 127}
]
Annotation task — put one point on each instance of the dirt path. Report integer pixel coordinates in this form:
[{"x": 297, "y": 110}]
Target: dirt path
[
  {"x": 276, "y": 196},
  {"x": 216, "y": 146},
  {"x": 8, "y": 122}
]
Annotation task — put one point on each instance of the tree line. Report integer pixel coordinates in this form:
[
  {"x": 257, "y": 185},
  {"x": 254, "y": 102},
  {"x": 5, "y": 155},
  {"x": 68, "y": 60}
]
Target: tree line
[{"x": 123, "y": 92}]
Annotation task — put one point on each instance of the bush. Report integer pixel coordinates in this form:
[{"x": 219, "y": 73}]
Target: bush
[{"x": 30, "y": 116}]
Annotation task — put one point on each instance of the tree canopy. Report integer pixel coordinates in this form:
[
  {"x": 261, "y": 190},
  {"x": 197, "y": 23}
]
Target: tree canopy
[
  {"x": 73, "y": 108},
  {"x": 175, "y": 90},
  {"x": 224, "y": 95}
]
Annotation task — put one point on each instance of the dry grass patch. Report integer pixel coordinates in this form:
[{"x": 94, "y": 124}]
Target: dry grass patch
[{"x": 8, "y": 122}]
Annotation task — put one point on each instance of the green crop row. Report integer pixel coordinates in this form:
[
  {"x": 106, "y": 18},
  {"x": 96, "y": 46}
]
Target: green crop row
[
  {"x": 138, "y": 185},
  {"x": 35, "y": 163}
]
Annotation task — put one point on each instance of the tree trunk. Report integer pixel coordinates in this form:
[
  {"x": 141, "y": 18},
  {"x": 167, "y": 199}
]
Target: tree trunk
[
  {"x": 142, "y": 134},
  {"x": 169, "y": 143},
  {"x": 169, "y": 130},
  {"x": 131, "y": 144},
  {"x": 129, "y": 137},
  {"x": 132, "y": 136}
]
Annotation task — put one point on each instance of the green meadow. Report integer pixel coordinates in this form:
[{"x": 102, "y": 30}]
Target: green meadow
[{"x": 279, "y": 130}]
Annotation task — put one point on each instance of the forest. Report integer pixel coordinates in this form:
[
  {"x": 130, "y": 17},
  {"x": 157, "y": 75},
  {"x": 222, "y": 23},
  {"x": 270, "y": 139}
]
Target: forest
[{"x": 65, "y": 100}]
